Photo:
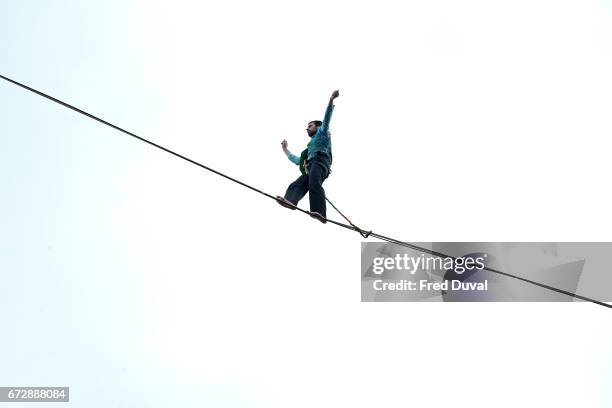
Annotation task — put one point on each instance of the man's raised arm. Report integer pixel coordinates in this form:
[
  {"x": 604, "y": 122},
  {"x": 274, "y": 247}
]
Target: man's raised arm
[{"x": 329, "y": 110}]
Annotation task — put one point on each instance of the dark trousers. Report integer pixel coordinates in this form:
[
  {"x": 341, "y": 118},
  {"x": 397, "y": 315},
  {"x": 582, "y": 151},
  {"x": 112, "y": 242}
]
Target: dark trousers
[{"x": 311, "y": 183}]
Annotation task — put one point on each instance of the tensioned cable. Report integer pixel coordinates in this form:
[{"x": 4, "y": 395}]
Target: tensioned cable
[
  {"x": 89, "y": 115},
  {"x": 441, "y": 255},
  {"x": 350, "y": 227}
]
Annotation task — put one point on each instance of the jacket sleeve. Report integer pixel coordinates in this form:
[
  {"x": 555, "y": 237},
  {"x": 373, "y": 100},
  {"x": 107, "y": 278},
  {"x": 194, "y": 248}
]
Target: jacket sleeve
[
  {"x": 293, "y": 158},
  {"x": 327, "y": 118}
]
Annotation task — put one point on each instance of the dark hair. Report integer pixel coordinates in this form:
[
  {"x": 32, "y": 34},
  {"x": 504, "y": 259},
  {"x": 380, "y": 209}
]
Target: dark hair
[{"x": 316, "y": 122}]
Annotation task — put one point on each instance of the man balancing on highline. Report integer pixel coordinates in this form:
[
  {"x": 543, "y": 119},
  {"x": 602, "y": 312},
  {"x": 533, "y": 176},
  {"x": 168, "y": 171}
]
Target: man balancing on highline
[{"x": 315, "y": 162}]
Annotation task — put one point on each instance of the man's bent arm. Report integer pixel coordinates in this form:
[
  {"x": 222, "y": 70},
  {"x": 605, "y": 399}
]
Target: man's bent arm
[{"x": 292, "y": 157}]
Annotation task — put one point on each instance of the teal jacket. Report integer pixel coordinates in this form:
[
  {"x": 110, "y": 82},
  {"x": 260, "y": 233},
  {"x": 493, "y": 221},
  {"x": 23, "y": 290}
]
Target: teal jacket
[{"x": 320, "y": 142}]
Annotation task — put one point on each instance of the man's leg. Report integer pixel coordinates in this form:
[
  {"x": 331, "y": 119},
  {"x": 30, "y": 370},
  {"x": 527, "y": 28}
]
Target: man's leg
[
  {"x": 317, "y": 173},
  {"x": 297, "y": 190}
]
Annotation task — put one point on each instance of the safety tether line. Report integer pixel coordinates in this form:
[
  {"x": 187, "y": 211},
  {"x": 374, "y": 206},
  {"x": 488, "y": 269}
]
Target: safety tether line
[
  {"x": 363, "y": 233},
  {"x": 350, "y": 227}
]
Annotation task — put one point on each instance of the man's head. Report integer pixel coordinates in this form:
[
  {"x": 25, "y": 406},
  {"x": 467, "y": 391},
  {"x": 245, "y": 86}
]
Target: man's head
[{"x": 313, "y": 126}]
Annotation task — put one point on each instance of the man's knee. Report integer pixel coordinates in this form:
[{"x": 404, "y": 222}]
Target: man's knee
[
  {"x": 298, "y": 182},
  {"x": 315, "y": 186}
]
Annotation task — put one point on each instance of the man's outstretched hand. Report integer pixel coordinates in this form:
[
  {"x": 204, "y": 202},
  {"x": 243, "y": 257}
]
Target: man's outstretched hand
[
  {"x": 334, "y": 95},
  {"x": 284, "y": 144}
]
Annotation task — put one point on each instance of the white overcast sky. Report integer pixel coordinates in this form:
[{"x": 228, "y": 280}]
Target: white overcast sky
[{"x": 140, "y": 280}]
